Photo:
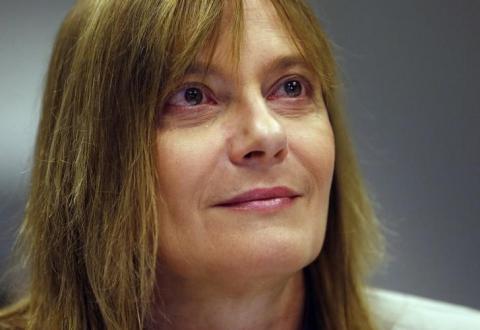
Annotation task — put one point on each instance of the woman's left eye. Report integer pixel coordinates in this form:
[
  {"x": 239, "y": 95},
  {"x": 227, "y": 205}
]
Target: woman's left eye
[{"x": 291, "y": 88}]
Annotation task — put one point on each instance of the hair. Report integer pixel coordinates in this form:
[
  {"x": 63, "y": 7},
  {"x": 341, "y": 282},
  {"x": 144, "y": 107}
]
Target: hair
[{"x": 89, "y": 236}]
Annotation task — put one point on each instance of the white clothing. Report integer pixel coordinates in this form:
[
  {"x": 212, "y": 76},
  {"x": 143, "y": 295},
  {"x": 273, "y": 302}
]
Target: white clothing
[{"x": 399, "y": 311}]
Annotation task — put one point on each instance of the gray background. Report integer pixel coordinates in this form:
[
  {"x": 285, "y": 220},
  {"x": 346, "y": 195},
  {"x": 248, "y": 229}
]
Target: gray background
[{"x": 411, "y": 73}]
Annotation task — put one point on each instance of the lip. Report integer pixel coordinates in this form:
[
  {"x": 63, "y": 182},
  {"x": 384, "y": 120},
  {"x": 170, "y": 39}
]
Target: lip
[{"x": 261, "y": 199}]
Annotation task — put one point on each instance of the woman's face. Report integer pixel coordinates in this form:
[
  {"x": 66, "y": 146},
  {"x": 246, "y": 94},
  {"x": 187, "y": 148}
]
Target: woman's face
[{"x": 226, "y": 132}]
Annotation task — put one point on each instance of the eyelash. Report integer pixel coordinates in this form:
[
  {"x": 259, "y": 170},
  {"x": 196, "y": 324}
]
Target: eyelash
[
  {"x": 304, "y": 85},
  {"x": 206, "y": 93},
  {"x": 180, "y": 93}
]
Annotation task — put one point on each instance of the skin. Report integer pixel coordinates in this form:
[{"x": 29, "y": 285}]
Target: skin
[{"x": 221, "y": 268}]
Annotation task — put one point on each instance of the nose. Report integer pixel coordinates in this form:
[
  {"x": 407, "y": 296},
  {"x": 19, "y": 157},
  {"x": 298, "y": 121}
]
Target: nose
[{"x": 259, "y": 138}]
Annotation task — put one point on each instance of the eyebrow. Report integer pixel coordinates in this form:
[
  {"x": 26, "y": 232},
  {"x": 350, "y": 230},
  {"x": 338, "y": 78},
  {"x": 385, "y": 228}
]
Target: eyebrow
[
  {"x": 286, "y": 62},
  {"x": 203, "y": 68},
  {"x": 280, "y": 63}
]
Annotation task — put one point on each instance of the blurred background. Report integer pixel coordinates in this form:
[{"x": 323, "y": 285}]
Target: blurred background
[{"x": 412, "y": 91}]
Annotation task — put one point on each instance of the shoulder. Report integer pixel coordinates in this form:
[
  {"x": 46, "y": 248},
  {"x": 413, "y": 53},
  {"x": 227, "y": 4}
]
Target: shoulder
[{"x": 399, "y": 311}]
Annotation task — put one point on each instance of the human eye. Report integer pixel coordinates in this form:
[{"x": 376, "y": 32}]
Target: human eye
[
  {"x": 190, "y": 96},
  {"x": 294, "y": 95},
  {"x": 290, "y": 88}
]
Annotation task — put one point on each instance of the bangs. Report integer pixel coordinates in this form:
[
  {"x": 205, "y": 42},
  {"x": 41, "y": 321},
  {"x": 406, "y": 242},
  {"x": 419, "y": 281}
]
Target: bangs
[
  {"x": 142, "y": 49},
  {"x": 188, "y": 29},
  {"x": 309, "y": 39}
]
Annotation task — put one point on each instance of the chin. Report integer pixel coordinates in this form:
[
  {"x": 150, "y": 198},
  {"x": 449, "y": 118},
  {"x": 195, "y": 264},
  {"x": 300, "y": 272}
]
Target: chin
[{"x": 272, "y": 255}]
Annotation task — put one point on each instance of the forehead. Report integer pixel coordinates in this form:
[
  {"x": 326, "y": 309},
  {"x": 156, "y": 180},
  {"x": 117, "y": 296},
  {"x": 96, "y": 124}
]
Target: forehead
[{"x": 262, "y": 38}]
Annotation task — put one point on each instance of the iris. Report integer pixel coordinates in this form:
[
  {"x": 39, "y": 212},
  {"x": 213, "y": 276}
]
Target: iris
[
  {"x": 293, "y": 88},
  {"x": 193, "y": 96}
]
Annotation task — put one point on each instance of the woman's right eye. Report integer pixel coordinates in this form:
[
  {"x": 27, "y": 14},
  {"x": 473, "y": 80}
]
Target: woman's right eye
[{"x": 189, "y": 96}]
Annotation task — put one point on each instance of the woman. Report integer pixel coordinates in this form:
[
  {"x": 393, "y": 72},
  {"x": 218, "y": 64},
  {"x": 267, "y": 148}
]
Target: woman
[{"x": 192, "y": 171}]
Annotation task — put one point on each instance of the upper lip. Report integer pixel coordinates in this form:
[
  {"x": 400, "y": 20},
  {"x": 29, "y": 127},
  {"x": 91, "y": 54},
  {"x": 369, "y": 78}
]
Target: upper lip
[{"x": 260, "y": 194}]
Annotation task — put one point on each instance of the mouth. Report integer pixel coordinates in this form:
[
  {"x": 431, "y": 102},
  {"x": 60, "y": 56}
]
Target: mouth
[{"x": 262, "y": 200}]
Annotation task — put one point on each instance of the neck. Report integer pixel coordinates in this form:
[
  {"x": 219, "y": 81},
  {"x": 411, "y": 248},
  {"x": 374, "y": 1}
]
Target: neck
[{"x": 274, "y": 304}]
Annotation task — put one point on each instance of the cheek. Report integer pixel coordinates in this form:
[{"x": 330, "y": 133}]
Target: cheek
[
  {"x": 184, "y": 162},
  {"x": 182, "y": 165},
  {"x": 313, "y": 145}
]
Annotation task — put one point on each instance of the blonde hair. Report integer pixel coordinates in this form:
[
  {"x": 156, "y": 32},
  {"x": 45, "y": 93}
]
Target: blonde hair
[{"x": 89, "y": 236}]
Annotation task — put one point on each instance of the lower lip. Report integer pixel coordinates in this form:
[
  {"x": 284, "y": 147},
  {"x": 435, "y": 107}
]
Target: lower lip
[{"x": 266, "y": 205}]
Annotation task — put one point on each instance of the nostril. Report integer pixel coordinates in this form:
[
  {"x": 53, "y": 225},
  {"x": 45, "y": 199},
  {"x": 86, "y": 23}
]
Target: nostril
[
  {"x": 252, "y": 154},
  {"x": 281, "y": 153}
]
